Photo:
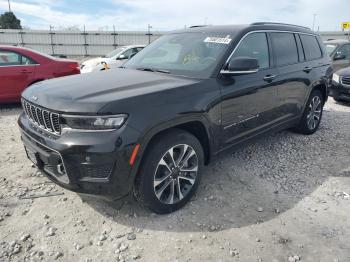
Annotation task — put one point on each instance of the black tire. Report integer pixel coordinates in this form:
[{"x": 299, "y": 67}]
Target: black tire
[
  {"x": 151, "y": 167},
  {"x": 304, "y": 127},
  {"x": 337, "y": 99}
]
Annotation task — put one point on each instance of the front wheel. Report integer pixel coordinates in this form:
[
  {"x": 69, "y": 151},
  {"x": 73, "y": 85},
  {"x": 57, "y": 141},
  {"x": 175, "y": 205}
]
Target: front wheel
[
  {"x": 170, "y": 172},
  {"x": 312, "y": 115}
]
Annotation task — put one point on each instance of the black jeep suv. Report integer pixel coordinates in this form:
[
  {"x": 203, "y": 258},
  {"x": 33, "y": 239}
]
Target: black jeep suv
[{"x": 150, "y": 126}]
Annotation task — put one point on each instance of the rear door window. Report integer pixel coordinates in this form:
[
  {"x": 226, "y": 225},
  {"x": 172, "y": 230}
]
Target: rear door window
[
  {"x": 8, "y": 58},
  {"x": 285, "y": 48},
  {"x": 311, "y": 47}
]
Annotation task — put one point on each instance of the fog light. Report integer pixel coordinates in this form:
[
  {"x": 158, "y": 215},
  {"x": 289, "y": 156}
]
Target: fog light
[{"x": 60, "y": 169}]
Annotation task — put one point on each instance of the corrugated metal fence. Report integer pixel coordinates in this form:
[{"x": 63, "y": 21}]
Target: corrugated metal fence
[
  {"x": 90, "y": 43},
  {"x": 74, "y": 43}
]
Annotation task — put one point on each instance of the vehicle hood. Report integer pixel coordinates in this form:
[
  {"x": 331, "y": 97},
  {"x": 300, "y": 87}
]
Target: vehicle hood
[
  {"x": 343, "y": 71},
  {"x": 89, "y": 93},
  {"x": 93, "y": 62},
  {"x": 96, "y": 61}
]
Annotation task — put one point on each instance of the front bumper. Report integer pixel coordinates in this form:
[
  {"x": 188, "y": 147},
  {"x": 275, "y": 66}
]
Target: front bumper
[
  {"x": 95, "y": 163},
  {"x": 340, "y": 91}
]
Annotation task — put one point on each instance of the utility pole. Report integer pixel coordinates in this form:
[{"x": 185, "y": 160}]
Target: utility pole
[
  {"x": 9, "y": 5},
  {"x": 51, "y": 39},
  {"x": 149, "y": 33},
  {"x": 313, "y": 22},
  {"x": 114, "y": 37}
]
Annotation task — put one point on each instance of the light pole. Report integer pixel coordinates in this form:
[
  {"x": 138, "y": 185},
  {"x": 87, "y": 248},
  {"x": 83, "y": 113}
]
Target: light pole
[
  {"x": 313, "y": 22},
  {"x": 149, "y": 33},
  {"x": 9, "y": 5}
]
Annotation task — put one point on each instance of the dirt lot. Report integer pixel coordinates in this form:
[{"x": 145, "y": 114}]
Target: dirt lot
[{"x": 284, "y": 197}]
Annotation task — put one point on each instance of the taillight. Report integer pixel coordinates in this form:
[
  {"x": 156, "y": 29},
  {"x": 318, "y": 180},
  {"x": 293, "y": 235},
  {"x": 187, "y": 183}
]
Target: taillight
[{"x": 74, "y": 67}]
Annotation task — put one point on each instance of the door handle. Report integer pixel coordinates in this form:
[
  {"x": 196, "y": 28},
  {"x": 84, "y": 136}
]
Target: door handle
[
  {"x": 307, "y": 69},
  {"x": 24, "y": 71},
  {"x": 269, "y": 78}
]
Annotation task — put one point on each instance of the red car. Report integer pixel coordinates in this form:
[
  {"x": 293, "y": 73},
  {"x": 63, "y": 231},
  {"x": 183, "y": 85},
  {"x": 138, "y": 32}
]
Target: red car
[{"x": 20, "y": 67}]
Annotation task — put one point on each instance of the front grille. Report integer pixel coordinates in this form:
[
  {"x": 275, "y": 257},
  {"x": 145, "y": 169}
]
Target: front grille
[
  {"x": 43, "y": 118},
  {"x": 346, "y": 81}
]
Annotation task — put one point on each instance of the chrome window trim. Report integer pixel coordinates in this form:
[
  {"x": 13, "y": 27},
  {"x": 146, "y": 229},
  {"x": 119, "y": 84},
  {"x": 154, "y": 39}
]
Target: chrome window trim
[
  {"x": 238, "y": 72},
  {"x": 18, "y": 65},
  {"x": 264, "y": 31}
]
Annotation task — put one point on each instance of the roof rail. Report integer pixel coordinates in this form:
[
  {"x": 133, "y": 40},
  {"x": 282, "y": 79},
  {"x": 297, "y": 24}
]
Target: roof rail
[
  {"x": 194, "y": 26},
  {"x": 273, "y": 23}
]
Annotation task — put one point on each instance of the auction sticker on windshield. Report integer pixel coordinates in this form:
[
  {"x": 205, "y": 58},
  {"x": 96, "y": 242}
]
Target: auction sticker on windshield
[{"x": 217, "y": 40}]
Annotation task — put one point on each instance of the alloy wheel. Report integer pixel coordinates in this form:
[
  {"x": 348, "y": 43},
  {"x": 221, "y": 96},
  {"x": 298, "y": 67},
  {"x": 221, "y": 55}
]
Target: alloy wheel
[
  {"x": 314, "y": 115},
  {"x": 175, "y": 174}
]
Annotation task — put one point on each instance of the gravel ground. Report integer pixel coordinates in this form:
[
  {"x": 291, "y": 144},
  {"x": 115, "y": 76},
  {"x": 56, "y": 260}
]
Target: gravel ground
[{"x": 284, "y": 197}]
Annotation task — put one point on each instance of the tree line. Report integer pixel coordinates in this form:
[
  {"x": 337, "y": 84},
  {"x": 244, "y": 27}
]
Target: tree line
[{"x": 8, "y": 20}]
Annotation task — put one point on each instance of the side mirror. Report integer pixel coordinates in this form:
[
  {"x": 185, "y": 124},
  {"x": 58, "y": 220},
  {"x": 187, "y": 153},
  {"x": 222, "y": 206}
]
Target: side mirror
[
  {"x": 339, "y": 56},
  {"x": 121, "y": 57},
  {"x": 241, "y": 66}
]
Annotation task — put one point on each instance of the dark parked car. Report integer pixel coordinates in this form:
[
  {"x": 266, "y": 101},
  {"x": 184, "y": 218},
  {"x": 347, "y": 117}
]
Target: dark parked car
[
  {"x": 340, "y": 89},
  {"x": 152, "y": 125},
  {"x": 339, "y": 51},
  {"x": 20, "y": 67}
]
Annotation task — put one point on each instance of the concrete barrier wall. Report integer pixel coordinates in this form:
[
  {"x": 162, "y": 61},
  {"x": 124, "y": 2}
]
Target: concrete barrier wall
[
  {"x": 74, "y": 43},
  {"x": 90, "y": 43}
]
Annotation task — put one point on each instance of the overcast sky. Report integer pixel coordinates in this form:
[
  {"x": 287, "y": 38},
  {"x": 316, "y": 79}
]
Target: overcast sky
[{"x": 167, "y": 15}]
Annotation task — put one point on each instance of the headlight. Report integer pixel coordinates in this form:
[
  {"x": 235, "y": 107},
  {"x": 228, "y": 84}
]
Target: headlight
[
  {"x": 336, "y": 78},
  {"x": 94, "y": 122}
]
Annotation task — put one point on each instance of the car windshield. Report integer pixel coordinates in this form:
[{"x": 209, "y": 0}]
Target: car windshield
[
  {"x": 330, "y": 48},
  {"x": 115, "y": 52},
  {"x": 186, "y": 54}
]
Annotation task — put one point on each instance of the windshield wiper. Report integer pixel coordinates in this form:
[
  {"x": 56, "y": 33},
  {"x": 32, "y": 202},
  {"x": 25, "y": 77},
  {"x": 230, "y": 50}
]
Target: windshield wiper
[{"x": 153, "y": 70}]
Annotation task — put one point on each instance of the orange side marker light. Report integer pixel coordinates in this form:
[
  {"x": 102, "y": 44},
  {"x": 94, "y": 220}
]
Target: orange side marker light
[{"x": 134, "y": 154}]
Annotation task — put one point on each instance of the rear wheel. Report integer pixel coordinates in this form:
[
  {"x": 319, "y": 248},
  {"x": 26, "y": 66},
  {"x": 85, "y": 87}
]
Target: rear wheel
[
  {"x": 170, "y": 172},
  {"x": 312, "y": 115}
]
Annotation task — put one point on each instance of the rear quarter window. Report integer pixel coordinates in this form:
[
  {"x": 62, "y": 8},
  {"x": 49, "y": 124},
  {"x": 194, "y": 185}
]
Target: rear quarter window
[{"x": 311, "y": 47}]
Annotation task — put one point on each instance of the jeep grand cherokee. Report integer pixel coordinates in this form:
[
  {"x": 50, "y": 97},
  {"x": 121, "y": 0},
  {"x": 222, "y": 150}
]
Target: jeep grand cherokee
[{"x": 151, "y": 126}]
